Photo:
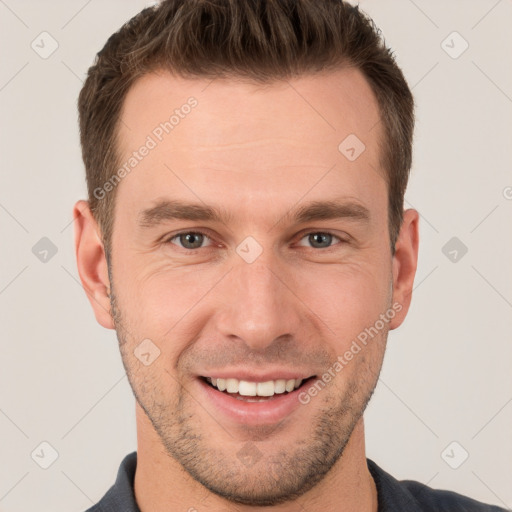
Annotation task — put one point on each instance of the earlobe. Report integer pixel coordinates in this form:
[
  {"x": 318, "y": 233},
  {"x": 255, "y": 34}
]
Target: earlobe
[
  {"x": 405, "y": 262},
  {"x": 92, "y": 263}
]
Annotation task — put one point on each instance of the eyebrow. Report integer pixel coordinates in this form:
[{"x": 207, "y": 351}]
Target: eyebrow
[{"x": 167, "y": 210}]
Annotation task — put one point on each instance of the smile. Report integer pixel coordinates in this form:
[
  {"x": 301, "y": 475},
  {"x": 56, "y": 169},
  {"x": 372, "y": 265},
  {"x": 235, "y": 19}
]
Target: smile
[
  {"x": 253, "y": 403},
  {"x": 261, "y": 389}
]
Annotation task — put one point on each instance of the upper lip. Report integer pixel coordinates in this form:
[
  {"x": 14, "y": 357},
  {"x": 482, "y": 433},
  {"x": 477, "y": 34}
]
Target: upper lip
[{"x": 253, "y": 376}]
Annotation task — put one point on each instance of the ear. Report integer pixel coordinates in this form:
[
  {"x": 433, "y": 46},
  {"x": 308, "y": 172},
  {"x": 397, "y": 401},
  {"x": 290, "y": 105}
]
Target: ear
[
  {"x": 92, "y": 263},
  {"x": 405, "y": 262}
]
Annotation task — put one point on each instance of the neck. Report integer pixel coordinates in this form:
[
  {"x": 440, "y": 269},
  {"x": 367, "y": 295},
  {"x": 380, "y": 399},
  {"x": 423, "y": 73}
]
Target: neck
[{"x": 161, "y": 483}]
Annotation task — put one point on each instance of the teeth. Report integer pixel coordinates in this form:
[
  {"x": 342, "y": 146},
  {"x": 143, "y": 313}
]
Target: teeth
[
  {"x": 246, "y": 388},
  {"x": 265, "y": 388},
  {"x": 231, "y": 385},
  {"x": 279, "y": 386}
]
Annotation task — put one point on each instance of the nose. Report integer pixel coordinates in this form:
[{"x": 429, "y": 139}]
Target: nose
[{"x": 259, "y": 304}]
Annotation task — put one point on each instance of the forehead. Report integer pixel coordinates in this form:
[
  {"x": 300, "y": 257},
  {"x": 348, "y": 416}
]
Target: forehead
[
  {"x": 246, "y": 143},
  {"x": 334, "y": 103}
]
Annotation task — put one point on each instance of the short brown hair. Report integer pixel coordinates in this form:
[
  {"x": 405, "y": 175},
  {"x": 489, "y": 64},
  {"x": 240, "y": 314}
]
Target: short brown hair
[{"x": 259, "y": 40}]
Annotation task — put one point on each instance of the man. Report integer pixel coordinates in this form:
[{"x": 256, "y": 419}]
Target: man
[{"x": 245, "y": 235}]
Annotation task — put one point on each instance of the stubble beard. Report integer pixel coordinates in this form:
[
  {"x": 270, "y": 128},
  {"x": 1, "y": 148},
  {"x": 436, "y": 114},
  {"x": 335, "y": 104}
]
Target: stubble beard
[{"x": 275, "y": 478}]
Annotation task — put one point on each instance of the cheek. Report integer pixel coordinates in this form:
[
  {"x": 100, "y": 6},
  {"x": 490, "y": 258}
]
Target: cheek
[
  {"x": 347, "y": 298},
  {"x": 165, "y": 303},
  {"x": 162, "y": 305}
]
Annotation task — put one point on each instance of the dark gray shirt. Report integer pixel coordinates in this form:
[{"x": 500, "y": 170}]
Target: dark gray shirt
[{"x": 393, "y": 495}]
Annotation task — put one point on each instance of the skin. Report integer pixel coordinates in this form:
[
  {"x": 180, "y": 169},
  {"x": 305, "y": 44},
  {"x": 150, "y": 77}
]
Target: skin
[{"x": 258, "y": 152}]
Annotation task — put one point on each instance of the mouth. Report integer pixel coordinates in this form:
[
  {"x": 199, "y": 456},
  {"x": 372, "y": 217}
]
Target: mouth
[
  {"x": 251, "y": 392},
  {"x": 249, "y": 403}
]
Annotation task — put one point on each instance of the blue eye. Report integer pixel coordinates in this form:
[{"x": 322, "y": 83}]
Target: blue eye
[
  {"x": 320, "y": 237},
  {"x": 186, "y": 238},
  {"x": 193, "y": 240}
]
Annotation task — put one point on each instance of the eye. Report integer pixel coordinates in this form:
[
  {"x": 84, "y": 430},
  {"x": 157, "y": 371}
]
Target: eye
[
  {"x": 193, "y": 240},
  {"x": 190, "y": 240},
  {"x": 321, "y": 239}
]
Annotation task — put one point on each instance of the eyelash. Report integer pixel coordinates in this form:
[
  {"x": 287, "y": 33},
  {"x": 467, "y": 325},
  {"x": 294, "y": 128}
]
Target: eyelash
[{"x": 200, "y": 232}]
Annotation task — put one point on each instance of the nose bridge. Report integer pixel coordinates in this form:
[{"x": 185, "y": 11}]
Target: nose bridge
[{"x": 259, "y": 307}]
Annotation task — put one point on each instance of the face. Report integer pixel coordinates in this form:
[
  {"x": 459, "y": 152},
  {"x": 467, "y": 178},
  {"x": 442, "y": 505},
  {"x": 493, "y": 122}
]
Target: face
[{"x": 247, "y": 246}]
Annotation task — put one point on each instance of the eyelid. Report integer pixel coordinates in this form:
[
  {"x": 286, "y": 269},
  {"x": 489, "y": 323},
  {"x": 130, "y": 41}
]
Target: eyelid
[
  {"x": 300, "y": 235},
  {"x": 303, "y": 234},
  {"x": 167, "y": 239}
]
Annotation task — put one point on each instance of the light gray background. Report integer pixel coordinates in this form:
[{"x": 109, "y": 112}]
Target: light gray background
[{"x": 447, "y": 375}]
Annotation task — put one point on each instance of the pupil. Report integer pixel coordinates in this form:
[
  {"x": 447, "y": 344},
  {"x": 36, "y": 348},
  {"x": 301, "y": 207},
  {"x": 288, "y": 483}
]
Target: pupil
[
  {"x": 321, "y": 235},
  {"x": 193, "y": 235}
]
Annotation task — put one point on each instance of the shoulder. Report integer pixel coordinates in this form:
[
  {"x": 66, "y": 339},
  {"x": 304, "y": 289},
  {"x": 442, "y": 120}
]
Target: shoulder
[
  {"x": 120, "y": 497},
  {"x": 412, "y": 496},
  {"x": 439, "y": 500}
]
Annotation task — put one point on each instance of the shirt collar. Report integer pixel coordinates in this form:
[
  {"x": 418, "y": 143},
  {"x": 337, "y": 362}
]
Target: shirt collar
[{"x": 391, "y": 494}]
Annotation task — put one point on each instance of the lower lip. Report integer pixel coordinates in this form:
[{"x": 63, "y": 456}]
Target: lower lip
[{"x": 271, "y": 411}]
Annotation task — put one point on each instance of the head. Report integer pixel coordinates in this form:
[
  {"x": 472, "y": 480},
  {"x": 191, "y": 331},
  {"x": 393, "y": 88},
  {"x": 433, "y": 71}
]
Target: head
[{"x": 246, "y": 166}]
